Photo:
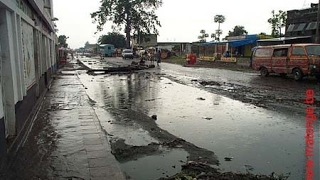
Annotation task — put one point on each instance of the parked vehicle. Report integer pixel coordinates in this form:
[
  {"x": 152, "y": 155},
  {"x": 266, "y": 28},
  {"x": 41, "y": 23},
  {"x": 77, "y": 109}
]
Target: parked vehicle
[
  {"x": 107, "y": 50},
  {"x": 298, "y": 59},
  {"x": 127, "y": 53}
]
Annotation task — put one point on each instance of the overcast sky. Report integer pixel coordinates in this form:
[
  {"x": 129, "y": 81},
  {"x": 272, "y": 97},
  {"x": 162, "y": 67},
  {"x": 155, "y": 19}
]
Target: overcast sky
[{"x": 181, "y": 20}]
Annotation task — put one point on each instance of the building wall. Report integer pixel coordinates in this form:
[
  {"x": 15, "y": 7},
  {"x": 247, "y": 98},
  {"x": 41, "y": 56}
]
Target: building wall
[
  {"x": 297, "y": 17},
  {"x": 27, "y": 56}
]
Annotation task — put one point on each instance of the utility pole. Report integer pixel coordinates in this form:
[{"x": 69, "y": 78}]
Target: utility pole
[{"x": 318, "y": 18}]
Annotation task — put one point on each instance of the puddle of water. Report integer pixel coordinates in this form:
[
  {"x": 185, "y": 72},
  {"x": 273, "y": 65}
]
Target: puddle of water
[
  {"x": 267, "y": 141},
  {"x": 68, "y": 72},
  {"x": 154, "y": 167},
  {"x": 132, "y": 133}
]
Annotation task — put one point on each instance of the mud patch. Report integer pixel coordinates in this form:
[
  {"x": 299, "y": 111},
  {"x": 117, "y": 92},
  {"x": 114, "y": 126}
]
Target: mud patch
[
  {"x": 255, "y": 96},
  {"x": 201, "y": 171},
  {"x": 124, "y": 152}
]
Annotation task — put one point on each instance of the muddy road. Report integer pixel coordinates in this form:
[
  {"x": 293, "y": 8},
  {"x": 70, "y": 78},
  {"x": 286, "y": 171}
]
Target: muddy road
[{"x": 157, "y": 120}]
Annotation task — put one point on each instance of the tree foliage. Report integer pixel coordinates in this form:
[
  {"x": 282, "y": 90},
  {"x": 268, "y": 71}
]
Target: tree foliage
[
  {"x": 219, "y": 19},
  {"x": 62, "y": 41},
  {"x": 277, "y": 22},
  {"x": 203, "y": 36},
  {"x": 238, "y": 31},
  {"x": 213, "y": 36},
  {"x": 135, "y": 15},
  {"x": 218, "y": 34},
  {"x": 115, "y": 38}
]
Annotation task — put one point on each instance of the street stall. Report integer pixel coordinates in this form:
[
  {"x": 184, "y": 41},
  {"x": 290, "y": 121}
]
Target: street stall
[
  {"x": 228, "y": 50},
  {"x": 62, "y": 55}
]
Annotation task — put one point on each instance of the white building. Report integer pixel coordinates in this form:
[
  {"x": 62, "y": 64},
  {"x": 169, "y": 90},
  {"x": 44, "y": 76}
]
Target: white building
[{"x": 27, "y": 61}]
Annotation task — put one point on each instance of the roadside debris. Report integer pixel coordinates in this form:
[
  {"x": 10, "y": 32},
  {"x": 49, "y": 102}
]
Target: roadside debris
[
  {"x": 228, "y": 158},
  {"x": 200, "y": 98},
  {"x": 154, "y": 117},
  {"x": 201, "y": 171}
]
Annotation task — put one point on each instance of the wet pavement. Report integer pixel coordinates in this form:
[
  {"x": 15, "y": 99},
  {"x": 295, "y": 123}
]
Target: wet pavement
[
  {"x": 148, "y": 124},
  {"x": 258, "y": 140},
  {"x": 66, "y": 140}
]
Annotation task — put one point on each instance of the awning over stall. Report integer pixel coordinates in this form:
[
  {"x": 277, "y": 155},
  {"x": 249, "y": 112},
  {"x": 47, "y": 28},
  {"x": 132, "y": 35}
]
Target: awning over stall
[
  {"x": 242, "y": 42},
  {"x": 248, "y": 39},
  {"x": 213, "y": 43}
]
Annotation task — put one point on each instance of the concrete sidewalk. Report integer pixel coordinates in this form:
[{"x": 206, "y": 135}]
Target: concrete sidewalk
[{"x": 66, "y": 140}]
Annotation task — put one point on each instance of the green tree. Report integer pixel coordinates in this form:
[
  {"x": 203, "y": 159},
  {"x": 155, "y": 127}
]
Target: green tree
[
  {"x": 135, "y": 15},
  {"x": 238, "y": 31},
  {"x": 115, "y": 38},
  {"x": 277, "y": 22},
  {"x": 219, "y": 19},
  {"x": 62, "y": 41},
  {"x": 203, "y": 36}
]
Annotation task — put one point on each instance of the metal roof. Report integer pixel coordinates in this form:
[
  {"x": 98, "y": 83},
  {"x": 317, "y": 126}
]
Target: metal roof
[
  {"x": 290, "y": 28},
  {"x": 284, "y": 45},
  {"x": 299, "y": 27},
  {"x": 283, "y": 39},
  {"x": 311, "y": 26}
]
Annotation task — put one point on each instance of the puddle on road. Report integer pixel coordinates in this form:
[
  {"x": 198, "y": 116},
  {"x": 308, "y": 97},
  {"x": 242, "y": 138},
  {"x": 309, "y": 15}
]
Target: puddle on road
[
  {"x": 133, "y": 134},
  {"x": 153, "y": 167},
  {"x": 266, "y": 141}
]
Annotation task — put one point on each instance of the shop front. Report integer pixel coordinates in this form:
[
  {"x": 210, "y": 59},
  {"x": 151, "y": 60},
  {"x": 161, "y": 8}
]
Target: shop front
[{"x": 229, "y": 50}]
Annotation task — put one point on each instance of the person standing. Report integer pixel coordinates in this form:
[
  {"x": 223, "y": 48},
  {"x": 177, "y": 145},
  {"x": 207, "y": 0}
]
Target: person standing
[{"x": 158, "y": 57}]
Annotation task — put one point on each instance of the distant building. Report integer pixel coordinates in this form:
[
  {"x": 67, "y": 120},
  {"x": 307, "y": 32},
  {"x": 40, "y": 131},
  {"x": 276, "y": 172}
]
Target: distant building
[
  {"x": 302, "y": 22},
  {"x": 300, "y": 27},
  {"x": 91, "y": 48},
  {"x": 28, "y": 60},
  {"x": 237, "y": 46},
  {"x": 179, "y": 47}
]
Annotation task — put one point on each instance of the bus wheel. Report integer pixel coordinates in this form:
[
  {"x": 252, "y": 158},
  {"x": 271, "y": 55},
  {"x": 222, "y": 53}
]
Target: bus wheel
[
  {"x": 264, "y": 72},
  {"x": 297, "y": 74}
]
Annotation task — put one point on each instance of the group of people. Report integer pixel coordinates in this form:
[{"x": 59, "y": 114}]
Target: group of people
[
  {"x": 151, "y": 56},
  {"x": 235, "y": 53}
]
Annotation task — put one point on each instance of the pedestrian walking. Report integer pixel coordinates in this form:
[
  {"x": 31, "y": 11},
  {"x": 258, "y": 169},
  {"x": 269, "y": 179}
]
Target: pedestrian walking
[{"x": 158, "y": 57}]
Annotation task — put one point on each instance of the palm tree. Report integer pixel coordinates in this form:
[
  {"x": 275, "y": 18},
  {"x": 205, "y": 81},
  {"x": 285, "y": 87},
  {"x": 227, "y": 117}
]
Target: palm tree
[{"x": 219, "y": 19}]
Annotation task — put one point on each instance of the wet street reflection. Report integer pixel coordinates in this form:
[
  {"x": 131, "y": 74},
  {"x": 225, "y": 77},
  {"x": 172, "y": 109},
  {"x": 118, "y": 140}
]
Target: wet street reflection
[{"x": 185, "y": 118}]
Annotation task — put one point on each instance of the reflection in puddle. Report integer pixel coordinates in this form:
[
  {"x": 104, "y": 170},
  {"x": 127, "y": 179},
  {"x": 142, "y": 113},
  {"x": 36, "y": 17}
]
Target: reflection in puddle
[
  {"x": 153, "y": 167},
  {"x": 264, "y": 140}
]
